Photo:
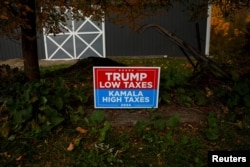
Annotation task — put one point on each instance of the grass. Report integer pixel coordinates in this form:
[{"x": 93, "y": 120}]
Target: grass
[
  {"x": 181, "y": 146},
  {"x": 49, "y": 69},
  {"x": 152, "y": 142}
]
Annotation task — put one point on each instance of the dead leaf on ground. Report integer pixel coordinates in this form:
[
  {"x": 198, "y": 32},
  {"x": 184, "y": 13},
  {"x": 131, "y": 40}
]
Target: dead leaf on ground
[
  {"x": 70, "y": 147},
  {"x": 81, "y": 130},
  {"x": 19, "y": 158}
]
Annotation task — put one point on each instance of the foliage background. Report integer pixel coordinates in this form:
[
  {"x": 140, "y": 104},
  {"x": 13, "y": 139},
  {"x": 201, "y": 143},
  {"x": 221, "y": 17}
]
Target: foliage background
[{"x": 228, "y": 35}]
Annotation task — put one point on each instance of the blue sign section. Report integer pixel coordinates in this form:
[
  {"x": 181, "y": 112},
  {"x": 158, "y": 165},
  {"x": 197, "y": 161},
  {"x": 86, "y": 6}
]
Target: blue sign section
[{"x": 126, "y": 98}]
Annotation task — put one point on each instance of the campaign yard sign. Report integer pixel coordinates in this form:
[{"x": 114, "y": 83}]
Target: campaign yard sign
[{"x": 126, "y": 87}]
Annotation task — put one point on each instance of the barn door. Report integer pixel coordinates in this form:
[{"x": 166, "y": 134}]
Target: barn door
[{"x": 82, "y": 38}]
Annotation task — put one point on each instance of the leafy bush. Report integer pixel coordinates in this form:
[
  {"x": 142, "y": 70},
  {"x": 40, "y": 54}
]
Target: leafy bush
[
  {"x": 227, "y": 36},
  {"x": 236, "y": 97},
  {"x": 235, "y": 94},
  {"x": 39, "y": 106},
  {"x": 175, "y": 76}
]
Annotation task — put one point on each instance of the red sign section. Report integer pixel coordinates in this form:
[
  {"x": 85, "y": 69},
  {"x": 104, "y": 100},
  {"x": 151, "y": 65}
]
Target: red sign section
[{"x": 126, "y": 78}]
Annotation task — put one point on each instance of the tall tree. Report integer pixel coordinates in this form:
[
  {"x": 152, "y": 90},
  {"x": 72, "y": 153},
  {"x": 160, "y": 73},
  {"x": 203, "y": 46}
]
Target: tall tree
[
  {"x": 23, "y": 18},
  {"x": 18, "y": 20},
  {"x": 29, "y": 42}
]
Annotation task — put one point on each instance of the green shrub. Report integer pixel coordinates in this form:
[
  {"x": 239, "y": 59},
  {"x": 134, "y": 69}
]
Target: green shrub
[
  {"x": 236, "y": 97},
  {"x": 235, "y": 94},
  {"x": 175, "y": 76},
  {"x": 39, "y": 106},
  {"x": 226, "y": 48}
]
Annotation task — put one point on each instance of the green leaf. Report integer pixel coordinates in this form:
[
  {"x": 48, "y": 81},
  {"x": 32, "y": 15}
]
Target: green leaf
[
  {"x": 97, "y": 117},
  {"x": 212, "y": 133},
  {"x": 56, "y": 120},
  {"x": 74, "y": 117},
  {"x": 200, "y": 98},
  {"x": 23, "y": 115},
  {"x": 213, "y": 120},
  {"x": 184, "y": 140},
  {"x": 59, "y": 83},
  {"x": 53, "y": 116},
  {"x": 173, "y": 121},
  {"x": 169, "y": 139},
  {"x": 160, "y": 124},
  {"x": 12, "y": 138},
  {"x": 80, "y": 110},
  {"x": 26, "y": 95},
  {"x": 103, "y": 131},
  {"x": 43, "y": 100},
  {"x": 77, "y": 141},
  {"x": 59, "y": 103}
]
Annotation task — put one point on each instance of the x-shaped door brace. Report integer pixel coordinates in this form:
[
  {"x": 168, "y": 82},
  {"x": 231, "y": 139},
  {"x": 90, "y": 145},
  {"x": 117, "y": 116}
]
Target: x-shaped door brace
[{"x": 76, "y": 33}]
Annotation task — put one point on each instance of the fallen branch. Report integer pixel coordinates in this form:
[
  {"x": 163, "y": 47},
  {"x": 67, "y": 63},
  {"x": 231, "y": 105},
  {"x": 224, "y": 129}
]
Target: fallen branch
[{"x": 201, "y": 59}]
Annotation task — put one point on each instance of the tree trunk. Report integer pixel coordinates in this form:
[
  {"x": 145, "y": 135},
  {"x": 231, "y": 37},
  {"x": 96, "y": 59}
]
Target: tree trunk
[{"x": 29, "y": 43}]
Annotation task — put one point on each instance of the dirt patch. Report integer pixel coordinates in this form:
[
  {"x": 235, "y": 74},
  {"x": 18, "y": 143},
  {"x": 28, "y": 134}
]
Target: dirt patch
[{"x": 121, "y": 117}]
